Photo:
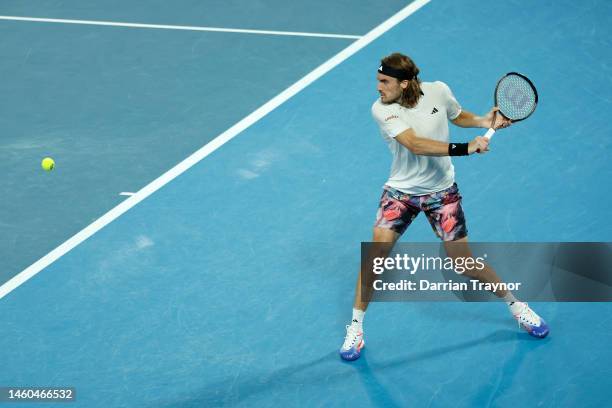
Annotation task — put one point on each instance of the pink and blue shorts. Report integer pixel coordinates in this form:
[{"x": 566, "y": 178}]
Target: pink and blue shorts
[{"x": 443, "y": 210}]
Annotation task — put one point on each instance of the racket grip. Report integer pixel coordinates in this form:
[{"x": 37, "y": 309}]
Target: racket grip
[{"x": 489, "y": 133}]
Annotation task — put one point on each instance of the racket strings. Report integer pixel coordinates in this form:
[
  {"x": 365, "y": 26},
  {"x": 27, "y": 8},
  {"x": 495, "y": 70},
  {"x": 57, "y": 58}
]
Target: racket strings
[{"x": 516, "y": 97}]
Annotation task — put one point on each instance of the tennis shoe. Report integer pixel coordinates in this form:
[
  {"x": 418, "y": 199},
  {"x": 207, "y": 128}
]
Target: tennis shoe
[
  {"x": 353, "y": 343},
  {"x": 530, "y": 321}
]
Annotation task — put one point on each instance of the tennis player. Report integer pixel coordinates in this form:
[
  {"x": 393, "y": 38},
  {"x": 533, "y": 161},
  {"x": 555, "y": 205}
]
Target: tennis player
[{"x": 413, "y": 119}]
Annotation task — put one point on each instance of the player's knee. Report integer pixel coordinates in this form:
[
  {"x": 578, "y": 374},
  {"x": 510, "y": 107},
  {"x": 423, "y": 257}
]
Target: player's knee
[
  {"x": 472, "y": 273},
  {"x": 384, "y": 235}
]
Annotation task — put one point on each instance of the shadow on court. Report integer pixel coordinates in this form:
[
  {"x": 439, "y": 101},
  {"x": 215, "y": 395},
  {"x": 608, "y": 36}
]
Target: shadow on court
[{"x": 323, "y": 372}]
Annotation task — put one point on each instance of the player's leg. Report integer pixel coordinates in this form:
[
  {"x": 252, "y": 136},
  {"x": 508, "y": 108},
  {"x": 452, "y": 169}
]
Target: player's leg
[
  {"x": 525, "y": 316},
  {"x": 386, "y": 238},
  {"x": 395, "y": 212},
  {"x": 460, "y": 248},
  {"x": 445, "y": 214}
]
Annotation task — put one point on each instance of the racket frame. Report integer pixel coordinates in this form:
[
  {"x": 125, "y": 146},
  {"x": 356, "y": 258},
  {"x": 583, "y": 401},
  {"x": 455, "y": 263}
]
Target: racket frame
[
  {"x": 533, "y": 88},
  {"x": 491, "y": 131}
]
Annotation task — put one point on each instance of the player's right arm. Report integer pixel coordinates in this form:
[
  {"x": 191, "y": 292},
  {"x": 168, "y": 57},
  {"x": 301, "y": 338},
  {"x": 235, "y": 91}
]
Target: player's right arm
[
  {"x": 388, "y": 119},
  {"x": 428, "y": 147}
]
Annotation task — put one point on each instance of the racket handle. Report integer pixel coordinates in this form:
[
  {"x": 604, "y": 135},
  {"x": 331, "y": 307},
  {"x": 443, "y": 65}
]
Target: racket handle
[{"x": 489, "y": 133}]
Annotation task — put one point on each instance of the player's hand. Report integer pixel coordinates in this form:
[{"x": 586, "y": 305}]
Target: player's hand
[
  {"x": 495, "y": 120},
  {"x": 478, "y": 145}
]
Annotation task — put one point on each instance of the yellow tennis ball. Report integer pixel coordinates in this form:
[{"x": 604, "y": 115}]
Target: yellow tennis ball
[{"x": 47, "y": 164}]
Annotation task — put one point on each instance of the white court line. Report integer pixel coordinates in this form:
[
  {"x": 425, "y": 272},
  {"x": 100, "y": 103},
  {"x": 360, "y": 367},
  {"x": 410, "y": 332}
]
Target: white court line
[
  {"x": 177, "y": 27},
  {"x": 207, "y": 149},
  {"x": 126, "y": 193}
]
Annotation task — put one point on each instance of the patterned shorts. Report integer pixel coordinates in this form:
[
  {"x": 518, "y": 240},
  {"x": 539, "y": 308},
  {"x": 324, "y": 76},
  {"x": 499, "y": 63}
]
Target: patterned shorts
[{"x": 443, "y": 210}]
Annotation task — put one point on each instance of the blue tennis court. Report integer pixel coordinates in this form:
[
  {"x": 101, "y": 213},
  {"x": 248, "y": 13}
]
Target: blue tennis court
[{"x": 229, "y": 280}]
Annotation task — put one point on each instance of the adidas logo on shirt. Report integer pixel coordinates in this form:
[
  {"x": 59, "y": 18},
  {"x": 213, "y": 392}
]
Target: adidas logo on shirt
[{"x": 434, "y": 110}]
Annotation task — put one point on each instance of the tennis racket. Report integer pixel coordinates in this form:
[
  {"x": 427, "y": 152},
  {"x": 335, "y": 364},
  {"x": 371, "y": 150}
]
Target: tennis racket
[{"x": 516, "y": 97}]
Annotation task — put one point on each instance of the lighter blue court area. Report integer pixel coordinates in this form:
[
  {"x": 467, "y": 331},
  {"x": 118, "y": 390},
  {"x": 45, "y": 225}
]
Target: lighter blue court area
[{"x": 232, "y": 284}]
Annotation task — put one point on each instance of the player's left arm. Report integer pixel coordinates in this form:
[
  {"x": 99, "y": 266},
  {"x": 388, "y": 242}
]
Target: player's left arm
[{"x": 467, "y": 119}]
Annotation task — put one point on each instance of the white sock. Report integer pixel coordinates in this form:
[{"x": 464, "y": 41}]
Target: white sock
[
  {"x": 358, "y": 316},
  {"x": 512, "y": 302}
]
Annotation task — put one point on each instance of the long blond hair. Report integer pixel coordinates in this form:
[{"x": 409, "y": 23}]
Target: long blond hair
[{"x": 412, "y": 93}]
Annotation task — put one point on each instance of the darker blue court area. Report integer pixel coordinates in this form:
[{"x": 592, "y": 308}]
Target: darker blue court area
[{"x": 232, "y": 285}]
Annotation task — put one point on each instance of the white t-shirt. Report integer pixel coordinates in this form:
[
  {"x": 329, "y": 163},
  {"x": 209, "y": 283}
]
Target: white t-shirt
[{"x": 411, "y": 173}]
